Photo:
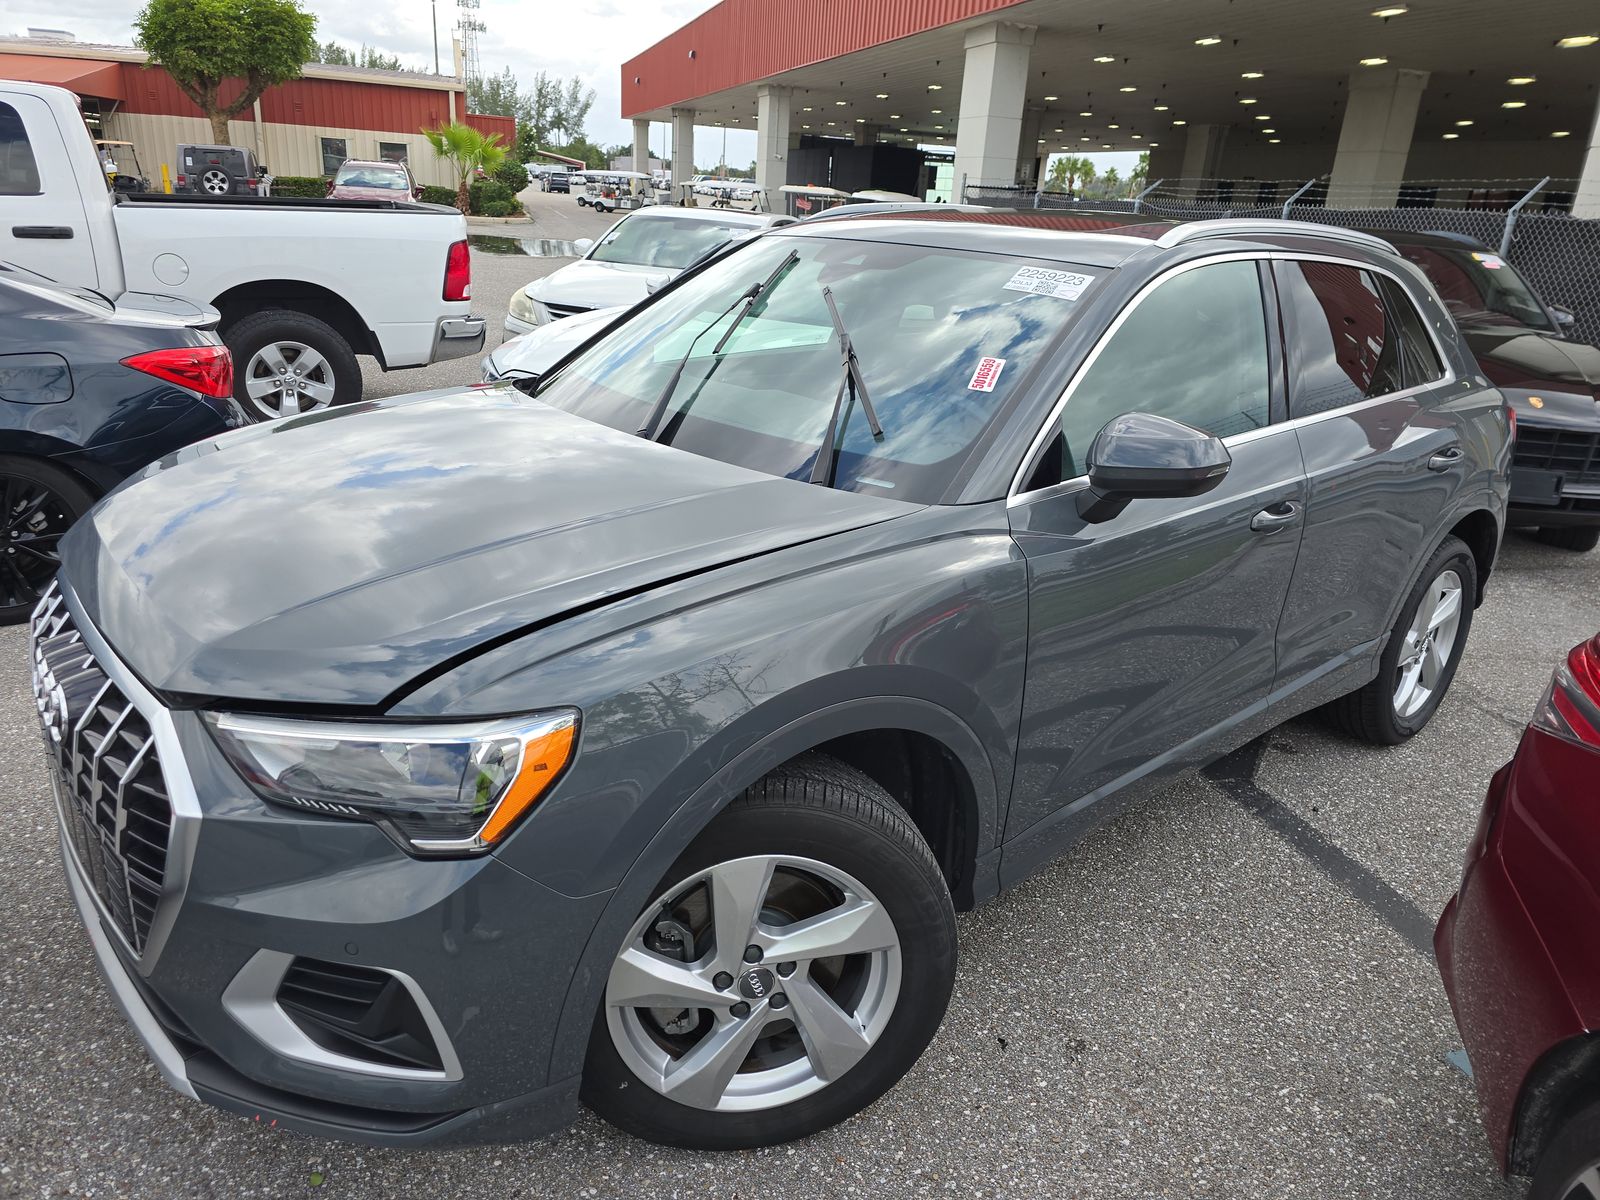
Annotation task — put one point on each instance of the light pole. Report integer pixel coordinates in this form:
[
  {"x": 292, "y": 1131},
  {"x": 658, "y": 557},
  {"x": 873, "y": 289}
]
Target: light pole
[{"x": 434, "y": 4}]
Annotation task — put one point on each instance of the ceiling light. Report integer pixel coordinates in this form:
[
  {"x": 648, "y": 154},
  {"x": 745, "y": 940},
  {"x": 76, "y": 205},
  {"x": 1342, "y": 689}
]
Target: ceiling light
[
  {"x": 1514, "y": 104},
  {"x": 1161, "y": 108},
  {"x": 1180, "y": 122},
  {"x": 861, "y": 120},
  {"x": 1105, "y": 145},
  {"x": 1577, "y": 41},
  {"x": 883, "y": 95},
  {"x": 1113, "y": 126},
  {"x": 1138, "y": 137},
  {"x": 807, "y": 108},
  {"x": 1049, "y": 98},
  {"x": 805, "y": 127},
  {"x": 1450, "y": 137},
  {"x": 1208, "y": 40},
  {"x": 1128, "y": 89},
  {"x": 1522, "y": 80},
  {"x": 1103, "y": 58},
  {"x": 1061, "y": 131},
  {"x": 1373, "y": 62},
  {"x": 1561, "y": 133},
  {"x": 895, "y": 117},
  {"x": 936, "y": 87},
  {"x": 1247, "y": 100},
  {"x": 1154, "y": 144},
  {"x": 1463, "y": 124},
  {"x": 1269, "y": 131},
  {"x": 1252, "y": 75},
  {"x": 1274, "y": 141},
  {"x": 1041, "y": 141},
  {"x": 903, "y": 129},
  {"x": 1086, "y": 113},
  {"x": 1083, "y": 139},
  {"x": 832, "y": 123},
  {"x": 1263, "y": 116},
  {"x": 1392, "y": 10},
  {"x": 938, "y": 112},
  {"x": 840, "y": 103}
]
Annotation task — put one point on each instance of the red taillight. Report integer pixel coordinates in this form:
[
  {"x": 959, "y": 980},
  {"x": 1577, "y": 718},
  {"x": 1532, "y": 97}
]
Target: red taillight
[
  {"x": 183, "y": 181},
  {"x": 458, "y": 273},
  {"x": 1570, "y": 707},
  {"x": 204, "y": 369}
]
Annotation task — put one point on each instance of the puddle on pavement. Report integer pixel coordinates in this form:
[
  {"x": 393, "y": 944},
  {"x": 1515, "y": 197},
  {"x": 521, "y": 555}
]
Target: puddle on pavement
[{"x": 491, "y": 243}]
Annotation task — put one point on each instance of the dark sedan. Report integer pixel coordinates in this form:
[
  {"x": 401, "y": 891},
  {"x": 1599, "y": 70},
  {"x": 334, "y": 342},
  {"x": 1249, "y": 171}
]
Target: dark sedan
[
  {"x": 90, "y": 391},
  {"x": 1553, "y": 383}
]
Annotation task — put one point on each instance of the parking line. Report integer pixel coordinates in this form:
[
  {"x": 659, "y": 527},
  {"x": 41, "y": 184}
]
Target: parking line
[{"x": 1235, "y": 775}]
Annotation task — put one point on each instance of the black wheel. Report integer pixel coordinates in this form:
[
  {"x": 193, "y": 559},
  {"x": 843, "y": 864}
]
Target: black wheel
[
  {"x": 1422, "y": 653},
  {"x": 38, "y": 503},
  {"x": 1568, "y": 537},
  {"x": 795, "y": 963},
  {"x": 1569, "y": 1168},
  {"x": 285, "y": 363}
]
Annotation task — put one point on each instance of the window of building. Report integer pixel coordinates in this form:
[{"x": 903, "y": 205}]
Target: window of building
[
  {"x": 333, "y": 155},
  {"x": 19, "y": 173},
  {"x": 395, "y": 152},
  {"x": 1194, "y": 349}
]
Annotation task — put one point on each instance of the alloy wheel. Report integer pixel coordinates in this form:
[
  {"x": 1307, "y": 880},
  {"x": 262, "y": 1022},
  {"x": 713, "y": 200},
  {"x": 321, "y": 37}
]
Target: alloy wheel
[
  {"x": 1585, "y": 1187},
  {"x": 215, "y": 182},
  {"x": 286, "y": 378},
  {"x": 34, "y": 518},
  {"x": 1428, "y": 644},
  {"x": 754, "y": 983}
]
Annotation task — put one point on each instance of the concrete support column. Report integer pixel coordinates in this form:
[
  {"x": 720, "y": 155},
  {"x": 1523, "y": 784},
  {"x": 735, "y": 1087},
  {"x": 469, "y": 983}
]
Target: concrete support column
[
  {"x": 682, "y": 146},
  {"x": 1202, "y": 156},
  {"x": 1028, "y": 148},
  {"x": 772, "y": 138},
  {"x": 993, "y": 86},
  {"x": 641, "y": 146},
  {"x": 1587, "y": 203},
  {"x": 1376, "y": 137}
]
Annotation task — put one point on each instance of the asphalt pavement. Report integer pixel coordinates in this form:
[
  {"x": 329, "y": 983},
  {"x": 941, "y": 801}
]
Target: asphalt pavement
[{"x": 1225, "y": 992}]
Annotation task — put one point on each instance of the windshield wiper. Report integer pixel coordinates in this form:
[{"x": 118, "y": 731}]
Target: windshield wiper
[
  {"x": 822, "y": 471},
  {"x": 748, "y": 298}
]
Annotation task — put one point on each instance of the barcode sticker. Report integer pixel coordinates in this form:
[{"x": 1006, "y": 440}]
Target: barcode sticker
[{"x": 987, "y": 374}]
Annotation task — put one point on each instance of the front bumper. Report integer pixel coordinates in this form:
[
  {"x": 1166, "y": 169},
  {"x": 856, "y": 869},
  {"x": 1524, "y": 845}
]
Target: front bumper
[
  {"x": 485, "y": 951},
  {"x": 516, "y": 327},
  {"x": 457, "y": 337}
]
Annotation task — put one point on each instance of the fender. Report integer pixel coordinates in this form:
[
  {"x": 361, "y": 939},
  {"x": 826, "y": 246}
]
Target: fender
[{"x": 646, "y": 874}]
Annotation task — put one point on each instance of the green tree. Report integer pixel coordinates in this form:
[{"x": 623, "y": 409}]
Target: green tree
[
  {"x": 1141, "y": 173},
  {"x": 466, "y": 150},
  {"x": 1069, "y": 171},
  {"x": 497, "y": 95},
  {"x": 339, "y": 55},
  {"x": 552, "y": 110},
  {"x": 333, "y": 53},
  {"x": 1112, "y": 182},
  {"x": 203, "y": 43}
]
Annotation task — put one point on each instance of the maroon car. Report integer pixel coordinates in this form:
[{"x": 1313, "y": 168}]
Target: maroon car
[{"x": 1519, "y": 944}]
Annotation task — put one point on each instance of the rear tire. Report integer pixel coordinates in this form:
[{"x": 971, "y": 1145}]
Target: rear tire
[
  {"x": 822, "y": 1036},
  {"x": 334, "y": 379},
  {"x": 38, "y": 503},
  {"x": 1569, "y": 1168},
  {"x": 1573, "y": 538},
  {"x": 1385, "y": 712}
]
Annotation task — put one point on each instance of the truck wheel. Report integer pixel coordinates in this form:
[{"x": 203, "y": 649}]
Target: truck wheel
[
  {"x": 1569, "y": 1168},
  {"x": 1420, "y": 658},
  {"x": 1566, "y": 538},
  {"x": 795, "y": 963},
  {"x": 285, "y": 363},
  {"x": 38, "y": 503}
]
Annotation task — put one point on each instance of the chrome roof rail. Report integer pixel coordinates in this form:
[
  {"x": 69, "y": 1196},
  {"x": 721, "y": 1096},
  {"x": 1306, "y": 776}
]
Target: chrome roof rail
[{"x": 1255, "y": 227}]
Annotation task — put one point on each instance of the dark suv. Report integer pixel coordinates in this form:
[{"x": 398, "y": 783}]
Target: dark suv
[{"x": 639, "y": 737}]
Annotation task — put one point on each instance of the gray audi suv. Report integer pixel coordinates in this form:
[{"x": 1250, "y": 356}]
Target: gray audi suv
[{"x": 636, "y": 736}]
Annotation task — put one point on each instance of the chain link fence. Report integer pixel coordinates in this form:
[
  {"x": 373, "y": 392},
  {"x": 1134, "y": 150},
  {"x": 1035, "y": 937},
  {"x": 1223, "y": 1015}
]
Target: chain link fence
[{"x": 1557, "y": 253}]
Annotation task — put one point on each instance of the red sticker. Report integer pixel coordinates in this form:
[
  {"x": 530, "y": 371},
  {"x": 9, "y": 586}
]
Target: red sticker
[{"x": 987, "y": 374}]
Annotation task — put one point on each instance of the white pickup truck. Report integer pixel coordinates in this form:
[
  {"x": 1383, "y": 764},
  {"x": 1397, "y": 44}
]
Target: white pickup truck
[{"x": 303, "y": 286}]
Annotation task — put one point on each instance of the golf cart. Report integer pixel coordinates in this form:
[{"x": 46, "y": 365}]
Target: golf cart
[
  {"x": 612, "y": 190},
  {"x": 120, "y": 161}
]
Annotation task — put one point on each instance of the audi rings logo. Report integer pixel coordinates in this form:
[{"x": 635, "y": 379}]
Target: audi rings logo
[{"x": 756, "y": 984}]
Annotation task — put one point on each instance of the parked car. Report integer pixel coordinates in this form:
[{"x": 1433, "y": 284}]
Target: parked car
[
  {"x": 639, "y": 737},
  {"x": 217, "y": 170},
  {"x": 1519, "y": 943},
  {"x": 644, "y": 250},
  {"x": 357, "y": 180},
  {"x": 1525, "y": 347},
  {"x": 90, "y": 392},
  {"x": 303, "y": 285},
  {"x": 527, "y": 358}
]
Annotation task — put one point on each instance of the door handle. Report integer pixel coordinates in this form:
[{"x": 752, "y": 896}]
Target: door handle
[
  {"x": 54, "y": 232},
  {"x": 1446, "y": 459},
  {"x": 1278, "y": 516}
]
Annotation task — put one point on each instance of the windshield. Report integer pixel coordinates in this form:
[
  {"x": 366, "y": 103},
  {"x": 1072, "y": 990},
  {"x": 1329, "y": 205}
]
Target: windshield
[
  {"x": 371, "y": 177},
  {"x": 671, "y": 242},
  {"x": 1476, "y": 283},
  {"x": 944, "y": 338}
]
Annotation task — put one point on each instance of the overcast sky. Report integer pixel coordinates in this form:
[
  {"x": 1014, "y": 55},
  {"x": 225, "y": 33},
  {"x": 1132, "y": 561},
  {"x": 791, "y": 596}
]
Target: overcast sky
[{"x": 587, "y": 38}]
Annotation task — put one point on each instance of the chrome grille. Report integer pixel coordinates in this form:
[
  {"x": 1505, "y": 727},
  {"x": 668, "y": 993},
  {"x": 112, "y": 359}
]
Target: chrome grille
[
  {"x": 1576, "y": 455},
  {"x": 113, "y": 796}
]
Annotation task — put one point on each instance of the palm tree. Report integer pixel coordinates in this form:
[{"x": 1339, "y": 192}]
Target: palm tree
[{"x": 468, "y": 151}]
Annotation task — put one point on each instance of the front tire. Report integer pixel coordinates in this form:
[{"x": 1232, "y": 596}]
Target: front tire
[
  {"x": 1562, "y": 537},
  {"x": 1569, "y": 1168},
  {"x": 286, "y": 363},
  {"x": 1422, "y": 653},
  {"x": 797, "y": 960},
  {"x": 38, "y": 503}
]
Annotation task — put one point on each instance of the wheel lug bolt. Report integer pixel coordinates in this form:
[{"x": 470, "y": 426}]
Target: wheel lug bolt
[
  {"x": 779, "y": 1000},
  {"x": 786, "y": 969},
  {"x": 723, "y": 981},
  {"x": 752, "y": 954},
  {"x": 740, "y": 1009}
]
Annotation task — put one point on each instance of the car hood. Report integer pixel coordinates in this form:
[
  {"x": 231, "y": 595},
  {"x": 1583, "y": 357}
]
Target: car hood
[
  {"x": 334, "y": 559},
  {"x": 1512, "y": 356},
  {"x": 591, "y": 284},
  {"x": 534, "y": 353}
]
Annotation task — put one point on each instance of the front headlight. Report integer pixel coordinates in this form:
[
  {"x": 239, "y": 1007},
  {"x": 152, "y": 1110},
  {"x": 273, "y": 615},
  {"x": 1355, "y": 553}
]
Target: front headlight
[
  {"x": 525, "y": 308},
  {"x": 441, "y": 789}
]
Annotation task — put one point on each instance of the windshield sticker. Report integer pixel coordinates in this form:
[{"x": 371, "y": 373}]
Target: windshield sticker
[
  {"x": 1040, "y": 281},
  {"x": 1492, "y": 261},
  {"x": 987, "y": 374}
]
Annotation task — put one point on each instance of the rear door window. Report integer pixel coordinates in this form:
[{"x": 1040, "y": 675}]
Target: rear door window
[
  {"x": 1419, "y": 358},
  {"x": 1343, "y": 341}
]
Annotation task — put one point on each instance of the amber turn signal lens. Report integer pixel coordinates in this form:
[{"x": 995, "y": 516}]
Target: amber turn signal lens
[{"x": 543, "y": 760}]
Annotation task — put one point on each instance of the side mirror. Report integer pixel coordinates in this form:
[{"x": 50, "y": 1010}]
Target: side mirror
[
  {"x": 1564, "y": 317},
  {"x": 1140, "y": 456},
  {"x": 583, "y": 245}
]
